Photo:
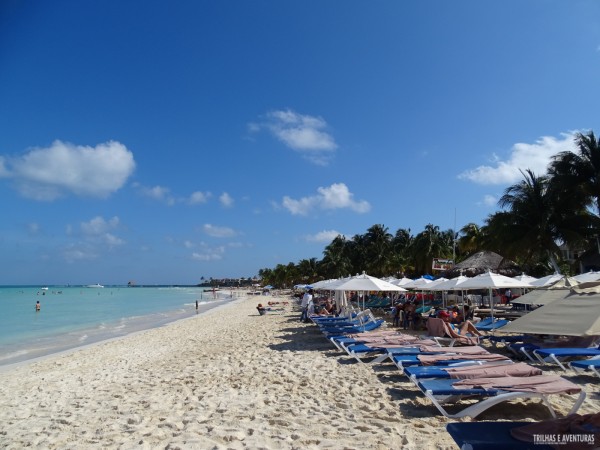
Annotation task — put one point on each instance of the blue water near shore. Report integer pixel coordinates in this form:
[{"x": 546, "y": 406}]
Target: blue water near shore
[{"x": 73, "y": 316}]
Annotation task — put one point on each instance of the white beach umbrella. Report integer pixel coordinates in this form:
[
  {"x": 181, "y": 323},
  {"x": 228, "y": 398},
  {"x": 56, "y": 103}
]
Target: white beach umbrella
[
  {"x": 366, "y": 283},
  {"x": 323, "y": 285},
  {"x": 524, "y": 277},
  {"x": 453, "y": 284},
  {"x": 547, "y": 280},
  {"x": 548, "y": 294},
  {"x": 435, "y": 284},
  {"x": 490, "y": 280},
  {"x": 402, "y": 281},
  {"x": 417, "y": 284},
  {"x": 587, "y": 277}
]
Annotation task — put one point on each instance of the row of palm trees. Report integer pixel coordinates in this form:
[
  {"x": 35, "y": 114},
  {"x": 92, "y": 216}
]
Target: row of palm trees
[{"x": 538, "y": 215}]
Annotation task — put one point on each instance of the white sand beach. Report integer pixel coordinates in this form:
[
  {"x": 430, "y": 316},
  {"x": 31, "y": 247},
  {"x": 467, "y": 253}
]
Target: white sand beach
[{"x": 228, "y": 379}]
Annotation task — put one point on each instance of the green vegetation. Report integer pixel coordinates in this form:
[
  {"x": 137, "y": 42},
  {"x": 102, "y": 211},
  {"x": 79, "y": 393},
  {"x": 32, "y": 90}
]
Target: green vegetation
[{"x": 538, "y": 215}]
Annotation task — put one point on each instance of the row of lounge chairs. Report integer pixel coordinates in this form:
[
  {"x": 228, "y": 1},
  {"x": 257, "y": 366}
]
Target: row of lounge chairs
[
  {"x": 450, "y": 375},
  {"x": 535, "y": 352}
]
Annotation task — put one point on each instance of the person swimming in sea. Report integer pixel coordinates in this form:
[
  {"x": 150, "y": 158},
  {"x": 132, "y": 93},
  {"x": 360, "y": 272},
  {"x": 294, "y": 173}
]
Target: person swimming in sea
[{"x": 38, "y": 306}]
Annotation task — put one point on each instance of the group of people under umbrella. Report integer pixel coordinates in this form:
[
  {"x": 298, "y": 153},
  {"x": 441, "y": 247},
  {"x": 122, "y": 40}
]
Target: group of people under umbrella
[{"x": 571, "y": 305}]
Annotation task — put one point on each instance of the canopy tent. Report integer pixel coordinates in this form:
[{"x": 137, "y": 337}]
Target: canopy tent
[
  {"x": 577, "y": 314},
  {"x": 547, "y": 294}
]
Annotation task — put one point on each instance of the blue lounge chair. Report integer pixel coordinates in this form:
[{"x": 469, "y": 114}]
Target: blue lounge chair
[
  {"x": 337, "y": 331},
  {"x": 493, "y": 325},
  {"x": 403, "y": 360},
  {"x": 507, "y": 367},
  {"x": 554, "y": 355},
  {"x": 505, "y": 340},
  {"x": 586, "y": 365},
  {"x": 490, "y": 436},
  {"x": 380, "y": 351},
  {"x": 524, "y": 349},
  {"x": 501, "y": 435},
  {"x": 442, "y": 390}
]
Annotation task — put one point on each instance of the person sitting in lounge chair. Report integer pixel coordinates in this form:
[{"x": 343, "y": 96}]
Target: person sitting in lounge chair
[{"x": 465, "y": 328}]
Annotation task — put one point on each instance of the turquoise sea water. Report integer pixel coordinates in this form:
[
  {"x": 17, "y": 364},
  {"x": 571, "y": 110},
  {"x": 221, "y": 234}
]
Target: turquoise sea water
[{"x": 72, "y": 316}]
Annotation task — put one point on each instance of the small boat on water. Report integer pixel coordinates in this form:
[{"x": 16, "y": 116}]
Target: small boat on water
[
  {"x": 95, "y": 285},
  {"x": 44, "y": 288}
]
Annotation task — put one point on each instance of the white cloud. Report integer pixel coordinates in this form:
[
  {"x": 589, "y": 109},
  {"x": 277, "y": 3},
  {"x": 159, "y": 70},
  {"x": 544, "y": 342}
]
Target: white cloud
[
  {"x": 98, "y": 225},
  {"x": 4, "y": 173},
  {"x": 97, "y": 230},
  {"x": 302, "y": 133},
  {"x": 74, "y": 254},
  {"x": 33, "y": 228},
  {"x": 522, "y": 157},
  {"x": 325, "y": 236},
  {"x": 158, "y": 193},
  {"x": 209, "y": 254},
  {"x": 199, "y": 197},
  {"x": 63, "y": 168},
  {"x": 220, "y": 232},
  {"x": 226, "y": 200},
  {"x": 112, "y": 240},
  {"x": 488, "y": 200},
  {"x": 336, "y": 196}
]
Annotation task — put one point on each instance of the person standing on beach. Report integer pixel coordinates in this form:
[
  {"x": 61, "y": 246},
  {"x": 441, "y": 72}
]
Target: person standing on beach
[
  {"x": 306, "y": 299},
  {"x": 38, "y": 306},
  {"x": 196, "y": 305}
]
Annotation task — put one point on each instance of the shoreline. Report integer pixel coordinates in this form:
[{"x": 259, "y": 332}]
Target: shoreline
[
  {"x": 69, "y": 348},
  {"x": 58, "y": 343},
  {"x": 227, "y": 379}
]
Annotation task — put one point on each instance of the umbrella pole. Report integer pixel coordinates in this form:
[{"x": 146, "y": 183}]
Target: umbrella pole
[{"x": 492, "y": 310}]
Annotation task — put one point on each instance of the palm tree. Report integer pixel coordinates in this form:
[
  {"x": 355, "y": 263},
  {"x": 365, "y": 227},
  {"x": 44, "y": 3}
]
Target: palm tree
[
  {"x": 378, "y": 250},
  {"x": 471, "y": 239},
  {"x": 308, "y": 270},
  {"x": 536, "y": 221},
  {"x": 400, "y": 257},
  {"x": 335, "y": 262},
  {"x": 428, "y": 244},
  {"x": 577, "y": 175}
]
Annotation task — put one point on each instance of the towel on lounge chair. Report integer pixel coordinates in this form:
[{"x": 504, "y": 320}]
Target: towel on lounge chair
[
  {"x": 434, "y": 359},
  {"x": 492, "y": 370},
  {"x": 475, "y": 350},
  {"x": 435, "y": 327},
  {"x": 543, "y": 384},
  {"x": 473, "y": 370}
]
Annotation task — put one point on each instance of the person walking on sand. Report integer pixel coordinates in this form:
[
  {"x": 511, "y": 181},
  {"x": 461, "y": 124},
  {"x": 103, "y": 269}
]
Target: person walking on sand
[
  {"x": 38, "y": 306},
  {"x": 306, "y": 299}
]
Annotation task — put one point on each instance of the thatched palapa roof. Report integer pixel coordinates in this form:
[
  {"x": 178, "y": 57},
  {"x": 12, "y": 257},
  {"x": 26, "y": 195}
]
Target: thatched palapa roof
[{"x": 481, "y": 262}]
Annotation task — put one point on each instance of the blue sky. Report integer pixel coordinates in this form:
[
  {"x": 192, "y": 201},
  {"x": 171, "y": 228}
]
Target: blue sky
[{"x": 163, "y": 141}]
